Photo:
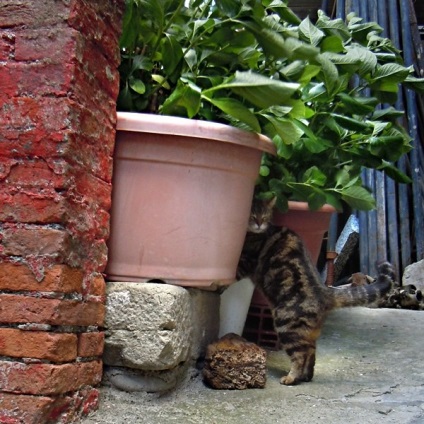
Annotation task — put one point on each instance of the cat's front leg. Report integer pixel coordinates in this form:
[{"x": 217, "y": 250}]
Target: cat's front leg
[{"x": 302, "y": 364}]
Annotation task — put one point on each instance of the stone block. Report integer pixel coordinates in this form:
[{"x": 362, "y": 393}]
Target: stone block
[{"x": 149, "y": 326}]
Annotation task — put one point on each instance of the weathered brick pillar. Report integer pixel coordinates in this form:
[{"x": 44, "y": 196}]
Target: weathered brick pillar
[{"x": 58, "y": 86}]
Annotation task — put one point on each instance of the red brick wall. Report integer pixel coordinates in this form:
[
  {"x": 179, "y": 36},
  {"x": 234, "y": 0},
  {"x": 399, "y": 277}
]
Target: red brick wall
[{"x": 58, "y": 86}]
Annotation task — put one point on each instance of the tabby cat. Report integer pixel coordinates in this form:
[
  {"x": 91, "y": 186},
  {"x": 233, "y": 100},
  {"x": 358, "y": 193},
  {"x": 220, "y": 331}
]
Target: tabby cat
[{"x": 277, "y": 262}]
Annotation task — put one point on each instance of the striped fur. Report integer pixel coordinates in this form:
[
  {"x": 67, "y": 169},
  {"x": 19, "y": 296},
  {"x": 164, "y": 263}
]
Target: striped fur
[{"x": 278, "y": 263}]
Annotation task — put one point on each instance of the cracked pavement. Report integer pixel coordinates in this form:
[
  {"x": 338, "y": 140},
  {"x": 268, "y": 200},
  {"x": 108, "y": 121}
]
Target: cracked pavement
[{"x": 369, "y": 370}]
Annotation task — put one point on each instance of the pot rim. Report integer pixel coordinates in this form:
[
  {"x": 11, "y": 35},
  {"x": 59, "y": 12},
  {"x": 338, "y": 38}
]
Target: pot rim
[
  {"x": 303, "y": 206},
  {"x": 172, "y": 125}
]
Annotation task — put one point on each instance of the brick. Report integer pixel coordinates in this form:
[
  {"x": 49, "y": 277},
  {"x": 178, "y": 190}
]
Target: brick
[
  {"x": 90, "y": 344},
  {"x": 88, "y": 221},
  {"x": 34, "y": 119},
  {"x": 20, "y": 145},
  {"x": 34, "y": 173},
  {"x": 23, "y": 309},
  {"x": 32, "y": 13},
  {"x": 55, "y": 44},
  {"x": 30, "y": 208},
  {"x": 58, "y": 278},
  {"x": 38, "y": 78},
  {"x": 99, "y": 67},
  {"x": 87, "y": 187},
  {"x": 54, "y": 347},
  {"x": 96, "y": 156},
  {"x": 48, "y": 379},
  {"x": 85, "y": 83},
  {"x": 28, "y": 409},
  {"x": 33, "y": 122},
  {"x": 90, "y": 123},
  {"x": 100, "y": 22},
  {"x": 95, "y": 285},
  {"x": 20, "y": 409},
  {"x": 37, "y": 241},
  {"x": 6, "y": 166},
  {"x": 6, "y": 45},
  {"x": 98, "y": 257}
]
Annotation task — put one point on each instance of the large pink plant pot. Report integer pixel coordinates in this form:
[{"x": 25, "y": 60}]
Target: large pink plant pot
[{"x": 181, "y": 197}]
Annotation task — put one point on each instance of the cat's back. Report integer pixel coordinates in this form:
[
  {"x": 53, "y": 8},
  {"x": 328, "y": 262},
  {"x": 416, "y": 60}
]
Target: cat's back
[
  {"x": 285, "y": 270},
  {"x": 283, "y": 247}
]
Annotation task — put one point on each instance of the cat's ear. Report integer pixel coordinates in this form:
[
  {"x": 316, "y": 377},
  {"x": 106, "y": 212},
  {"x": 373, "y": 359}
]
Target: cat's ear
[{"x": 271, "y": 202}]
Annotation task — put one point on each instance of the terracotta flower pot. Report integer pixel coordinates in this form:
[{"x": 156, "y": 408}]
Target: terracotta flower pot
[
  {"x": 181, "y": 198},
  {"x": 311, "y": 226}
]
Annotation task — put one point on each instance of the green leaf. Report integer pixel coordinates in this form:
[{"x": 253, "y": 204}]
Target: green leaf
[
  {"x": 358, "y": 105},
  {"x": 284, "y": 150},
  {"x": 335, "y": 27},
  {"x": 394, "y": 173},
  {"x": 360, "y": 31},
  {"x": 172, "y": 54},
  {"x": 237, "y": 110},
  {"x": 351, "y": 123},
  {"x": 310, "y": 32},
  {"x": 309, "y": 72},
  {"x": 416, "y": 84},
  {"x": 125, "y": 99},
  {"x": 313, "y": 92},
  {"x": 285, "y": 128},
  {"x": 315, "y": 176},
  {"x": 342, "y": 178},
  {"x": 389, "y": 113},
  {"x": 358, "y": 198},
  {"x": 390, "y": 73},
  {"x": 140, "y": 62},
  {"x": 161, "y": 81},
  {"x": 389, "y": 147},
  {"x": 316, "y": 145},
  {"x": 308, "y": 193},
  {"x": 332, "y": 43},
  {"x": 276, "y": 45},
  {"x": 333, "y": 200},
  {"x": 366, "y": 59},
  {"x": 285, "y": 13},
  {"x": 137, "y": 85},
  {"x": 261, "y": 91},
  {"x": 183, "y": 101},
  {"x": 228, "y": 7},
  {"x": 329, "y": 73},
  {"x": 316, "y": 200}
]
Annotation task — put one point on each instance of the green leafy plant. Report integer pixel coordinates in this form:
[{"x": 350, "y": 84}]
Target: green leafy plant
[{"x": 316, "y": 90}]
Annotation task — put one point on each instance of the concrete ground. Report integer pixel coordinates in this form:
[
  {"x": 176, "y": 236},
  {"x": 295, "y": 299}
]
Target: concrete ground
[{"x": 369, "y": 370}]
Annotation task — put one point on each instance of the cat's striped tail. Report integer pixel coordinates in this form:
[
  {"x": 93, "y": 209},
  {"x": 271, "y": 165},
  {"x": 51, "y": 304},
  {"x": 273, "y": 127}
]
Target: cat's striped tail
[{"x": 367, "y": 294}]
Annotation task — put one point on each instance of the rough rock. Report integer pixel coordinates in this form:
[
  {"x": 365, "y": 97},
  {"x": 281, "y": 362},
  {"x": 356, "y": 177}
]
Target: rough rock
[
  {"x": 130, "y": 380},
  {"x": 414, "y": 274},
  {"x": 155, "y": 333},
  {"x": 148, "y": 325},
  {"x": 234, "y": 363}
]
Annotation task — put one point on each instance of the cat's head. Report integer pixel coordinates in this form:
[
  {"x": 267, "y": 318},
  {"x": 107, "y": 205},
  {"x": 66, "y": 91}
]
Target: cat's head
[{"x": 260, "y": 215}]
